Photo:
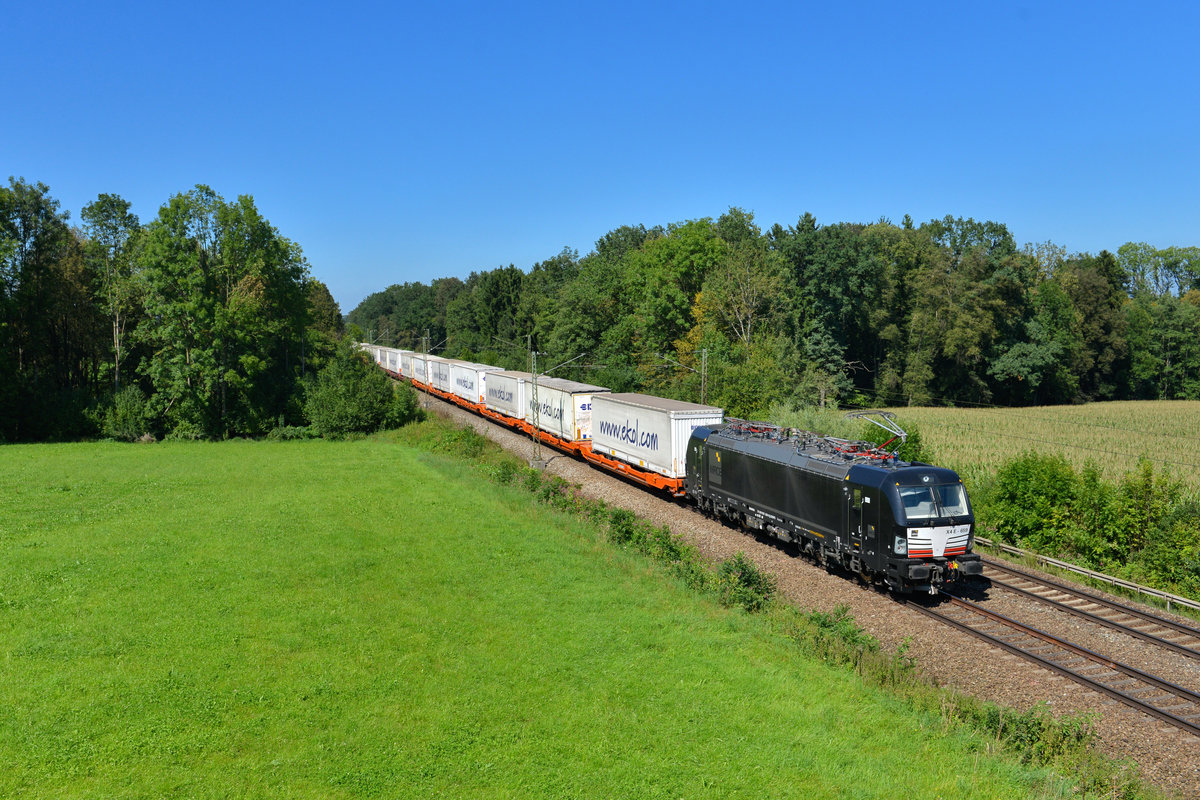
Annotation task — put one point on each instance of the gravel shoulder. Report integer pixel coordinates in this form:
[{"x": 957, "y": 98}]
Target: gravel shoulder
[{"x": 1166, "y": 756}]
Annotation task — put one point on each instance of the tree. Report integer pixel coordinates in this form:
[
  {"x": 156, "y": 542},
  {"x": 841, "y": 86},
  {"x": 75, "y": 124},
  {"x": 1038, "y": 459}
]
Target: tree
[
  {"x": 1096, "y": 288},
  {"x": 1048, "y": 257},
  {"x": 1043, "y": 368},
  {"x": 838, "y": 278},
  {"x": 746, "y": 285},
  {"x": 971, "y": 299},
  {"x": 226, "y": 312},
  {"x": 1172, "y": 270},
  {"x": 824, "y": 378},
  {"x": 664, "y": 275},
  {"x": 1183, "y": 265},
  {"x": 48, "y": 325},
  {"x": 1164, "y": 341},
  {"x": 485, "y": 310},
  {"x": 889, "y": 356},
  {"x": 324, "y": 314},
  {"x": 540, "y": 290},
  {"x": 595, "y": 310},
  {"x": 111, "y": 229}
]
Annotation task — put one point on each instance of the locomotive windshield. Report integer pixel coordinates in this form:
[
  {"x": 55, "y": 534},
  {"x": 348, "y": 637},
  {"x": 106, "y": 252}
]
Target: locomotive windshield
[{"x": 926, "y": 502}]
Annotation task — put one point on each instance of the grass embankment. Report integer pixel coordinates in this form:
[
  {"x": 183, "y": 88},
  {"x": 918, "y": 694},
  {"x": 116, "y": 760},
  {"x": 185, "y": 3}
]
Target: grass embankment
[{"x": 315, "y": 619}]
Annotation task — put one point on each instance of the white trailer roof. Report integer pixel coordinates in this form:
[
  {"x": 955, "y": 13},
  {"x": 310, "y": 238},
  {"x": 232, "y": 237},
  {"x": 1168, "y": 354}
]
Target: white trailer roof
[
  {"x": 660, "y": 403},
  {"x": 571, "y": 387}
]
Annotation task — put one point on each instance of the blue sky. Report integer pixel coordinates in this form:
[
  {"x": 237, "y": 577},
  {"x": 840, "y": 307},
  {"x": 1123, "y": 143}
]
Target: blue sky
[{"x": 401, "y": 142}]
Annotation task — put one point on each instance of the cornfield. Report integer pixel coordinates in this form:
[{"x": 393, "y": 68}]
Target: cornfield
[{"x": 1113, "y": 436}]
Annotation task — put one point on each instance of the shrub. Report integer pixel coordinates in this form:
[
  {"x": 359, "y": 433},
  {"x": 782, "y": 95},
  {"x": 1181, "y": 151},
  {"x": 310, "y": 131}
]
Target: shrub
[
  {"x": 506, "y": 471},
  {"x": 284, "y": 433},
  {"x": 1145, "y": 529},
  {"x": 125, "y": 418},
  {"x": 693, "y": 572},
  {"x": 664, "y": 545},
  {"x": 841, "y": 624},
  {"x": 186, "y": 431},
  {"x": 1144, "y": 500},
  {"x": 463, "y": 441},
  {"x": 1031, "y": 501},
  {"x": 913, "y": 449},
  {"x": 533, "y": 480},
  {"x": 827, "y": 422},
  {"x": 622, "y": 527},
  {"x": 741, "y": 583},
  {"x": 351, "y": 395},
  {"x": 553, "y": 491}
]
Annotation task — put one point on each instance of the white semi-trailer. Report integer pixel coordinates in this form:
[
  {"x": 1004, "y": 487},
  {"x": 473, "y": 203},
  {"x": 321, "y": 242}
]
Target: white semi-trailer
[{"x": 648, "y": 432}]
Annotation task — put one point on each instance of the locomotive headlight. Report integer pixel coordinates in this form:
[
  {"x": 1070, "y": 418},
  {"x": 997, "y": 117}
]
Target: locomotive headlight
[{"x": 901, "y": 546}]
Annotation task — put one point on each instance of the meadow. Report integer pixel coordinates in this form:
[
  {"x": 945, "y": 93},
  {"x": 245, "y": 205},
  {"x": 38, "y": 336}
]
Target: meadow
[
  {"x": 365, "y": 619},
  {"x": 1114, "y": 435}
]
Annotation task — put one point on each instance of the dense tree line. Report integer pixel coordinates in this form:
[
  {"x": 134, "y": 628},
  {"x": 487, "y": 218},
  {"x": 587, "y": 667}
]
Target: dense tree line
[
  {"x": 950, "y": 311},
  {"x": 204, "y": 322}
]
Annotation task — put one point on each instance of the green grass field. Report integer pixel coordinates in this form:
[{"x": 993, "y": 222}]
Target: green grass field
[
  {"x": 1111, "y": 435},
  {"x": 361, "y": 619}
]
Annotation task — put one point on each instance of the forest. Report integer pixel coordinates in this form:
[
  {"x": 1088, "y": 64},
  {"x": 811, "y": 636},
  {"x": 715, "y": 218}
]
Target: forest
[
  {"x": 948, "y": 312},
  {"x": 203, "y": 323}
]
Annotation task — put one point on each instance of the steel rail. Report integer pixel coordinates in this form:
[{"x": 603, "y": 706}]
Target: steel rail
[
  {"x": 1093, "y": 598},
  {"x": 1183, "y": 723},
  {"x": 1097, "y": 619},
  {"x": 1167, "y": 597}
]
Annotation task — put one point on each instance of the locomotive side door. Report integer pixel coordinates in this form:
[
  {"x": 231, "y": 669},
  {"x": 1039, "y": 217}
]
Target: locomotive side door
[
  {"x": 869, "y": 518},
  {"x": 694, "y": 481},
  {"x": 854, "y": 518}
]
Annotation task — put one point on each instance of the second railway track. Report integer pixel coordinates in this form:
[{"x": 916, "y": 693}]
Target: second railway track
[
  {"x": 1110, "y": 613},
  {"x": 1166, "y": 701}
]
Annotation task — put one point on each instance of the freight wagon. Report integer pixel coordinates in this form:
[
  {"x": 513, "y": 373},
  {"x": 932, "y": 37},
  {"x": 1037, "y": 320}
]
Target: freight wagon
[
  {"x": 563, "y": 408},
  {"x": 469, "y": 381},
  {"x": 649, "y": 432}
]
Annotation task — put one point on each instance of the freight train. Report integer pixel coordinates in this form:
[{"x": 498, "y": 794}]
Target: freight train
[{"x": 850, "y": 505}]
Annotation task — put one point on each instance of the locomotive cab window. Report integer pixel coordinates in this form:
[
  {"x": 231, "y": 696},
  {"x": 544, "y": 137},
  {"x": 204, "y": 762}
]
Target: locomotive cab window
[
  {"x": 917, "y": 502},
  {"x": 952, "y": 499},
  {"x": 858, "y": 499},
  {"x": 926, "y": 502}
]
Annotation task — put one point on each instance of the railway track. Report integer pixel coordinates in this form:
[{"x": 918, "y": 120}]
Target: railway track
[
  {"x": 1108, "y": 612},
  {"x": 1150, "y": 695}
]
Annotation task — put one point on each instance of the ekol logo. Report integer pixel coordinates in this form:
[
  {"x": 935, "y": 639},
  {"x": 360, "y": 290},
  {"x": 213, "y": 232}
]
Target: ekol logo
[{"x": 630, "y": 434}]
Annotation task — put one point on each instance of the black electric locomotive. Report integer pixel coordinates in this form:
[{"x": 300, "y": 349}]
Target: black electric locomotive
[{"x": 904, "y": 524}]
